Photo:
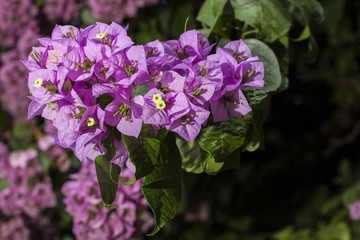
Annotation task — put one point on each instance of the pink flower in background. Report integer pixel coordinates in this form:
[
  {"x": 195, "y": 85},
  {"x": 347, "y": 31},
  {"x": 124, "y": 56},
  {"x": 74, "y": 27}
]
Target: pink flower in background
[
  {"x": 354, "y": 210},
  {"x": 92, "y": 220},
  {"x": 29, "y": 191},
  {"x": 14, "y": 229},
  {"x": 15, "y": 16},
  {"x": 63, "y": 10}
]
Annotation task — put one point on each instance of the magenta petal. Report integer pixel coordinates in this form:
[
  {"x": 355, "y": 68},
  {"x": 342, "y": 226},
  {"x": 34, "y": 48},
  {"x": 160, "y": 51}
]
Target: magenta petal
[
  {"x": 241, "y": 107},
  {"x": 173, "y": 81},
  {"x": 34, "y": 109},
  {"x": 179, "y": 105},
  {"x": 136, "y": 105},
  {"x": 239, "y": 47},
  {"x": 186, "y": 131},
  {"x": 130, "y": 128},
  {"x": 218, "y": 111},
  {"x": 152, "y": 115}
]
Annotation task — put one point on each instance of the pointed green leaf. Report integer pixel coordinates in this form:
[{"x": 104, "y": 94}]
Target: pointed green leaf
[
  {"x": 253, "y": 139},
  {"x": 210, "y": 11},
  {"x": 221, "y": 139},
  {"x": 304, "y": 35},
  {"x": 107, "y": 174},
  {"x": 162, "y": 187},
  {"x": 144, "y": 151},
  {"x": 192, "y": 156},
  {"x": 270, "y": 17}
]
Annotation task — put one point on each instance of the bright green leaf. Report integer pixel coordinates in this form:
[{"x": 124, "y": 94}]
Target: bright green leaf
[
  {"x": 210, "y": 11},
  {"x": 270, "y": 17}
]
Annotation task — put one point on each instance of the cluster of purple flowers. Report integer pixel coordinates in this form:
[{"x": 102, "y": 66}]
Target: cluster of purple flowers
[
  {"x": 15, "y": 16},
  {"x": 62, "y": 9},
  {"x": 14, "y": 229},
  {"x": 92, "y": 220},
  {"x": 29, "y": 191},
  {"x": 12, "y": 77},
  {"x": 18, "y": 31},
  {"x": 103, "y": 10},
  {"x": 87, "y": 80}
]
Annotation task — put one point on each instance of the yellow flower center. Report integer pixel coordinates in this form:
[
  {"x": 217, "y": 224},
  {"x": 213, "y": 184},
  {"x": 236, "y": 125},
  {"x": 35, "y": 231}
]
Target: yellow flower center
[
  {"x": 90, "y": 121},
  {"x": 160, "y": 104},
  {"x": 100, "y": 35},
  {"x": 38, "y": 82},
  {"x": 157, "y": 98}
]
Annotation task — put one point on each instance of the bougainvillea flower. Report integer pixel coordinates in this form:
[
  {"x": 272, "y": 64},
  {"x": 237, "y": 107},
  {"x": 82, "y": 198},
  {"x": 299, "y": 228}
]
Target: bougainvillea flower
[
  {"x": 189, "y": 125},
  {"x": 160, "y": 108},
  {"x": 233, "y": 102},
  {"x": 88, "y": 80},
  {"x": 125, "y": 114}
]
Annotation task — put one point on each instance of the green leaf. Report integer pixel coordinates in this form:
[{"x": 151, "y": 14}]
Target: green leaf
[
  {"x": 307, "y": 10},
  {"x": 313, "y": 50},
  {"x": 104, "y": 100},
  {"x": 221, "y": 139},
  {"x": 144, "y": 151},
  {"x": 210, "y": 11},
  {"x": 351, "y": 194},
  {"x": 3, "y": 184},
  {"x": 284, "y": 41},
  {"x": 213, "y": 167},
  {"x": 107, "y": 174},
  {"x": 270, "y": 17},
  {"x": 45, "y": 161},
  {"x": 338, "y": 231},
  {"x": 272, "y": 77},
  {"x": 21, "y": 137},
  {"x": 140, "y": 90},
  {"x": 162, "y": 187},
  {"x": 253, "y": 139},
  {"x": 304, "y": 35},
  {"x": 111, "y": 206},
  {"x": 87, "y": 17},
  {"x": 192, "y": 156}
]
